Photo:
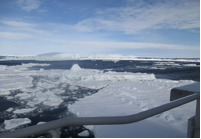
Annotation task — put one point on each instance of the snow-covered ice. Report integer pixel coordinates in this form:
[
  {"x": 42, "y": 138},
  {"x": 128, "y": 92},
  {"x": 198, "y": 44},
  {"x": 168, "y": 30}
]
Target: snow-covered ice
[{"x": 128, "y": 97}]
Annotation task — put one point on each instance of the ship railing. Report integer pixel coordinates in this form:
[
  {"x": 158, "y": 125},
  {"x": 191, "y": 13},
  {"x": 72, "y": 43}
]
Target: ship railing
[{"x": 178, "y": 97}]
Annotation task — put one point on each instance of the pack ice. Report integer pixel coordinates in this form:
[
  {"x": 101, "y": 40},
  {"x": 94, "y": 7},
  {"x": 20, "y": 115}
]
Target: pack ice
[{"x": 120, "y": 93}]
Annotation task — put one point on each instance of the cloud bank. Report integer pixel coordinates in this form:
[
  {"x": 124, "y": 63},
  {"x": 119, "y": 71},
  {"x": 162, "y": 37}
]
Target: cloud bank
[{"x": 140, "y": 15}]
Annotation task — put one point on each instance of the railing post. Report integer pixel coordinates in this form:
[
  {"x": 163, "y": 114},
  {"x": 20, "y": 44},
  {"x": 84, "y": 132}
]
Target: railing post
[
  {"x": 55, "y": 133},
  {"x": 194, "y": 123},
  {"x": 197, "y": 120}
]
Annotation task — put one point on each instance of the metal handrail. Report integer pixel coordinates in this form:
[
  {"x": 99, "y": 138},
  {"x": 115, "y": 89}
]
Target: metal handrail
[{"x": 38, "y": 129}]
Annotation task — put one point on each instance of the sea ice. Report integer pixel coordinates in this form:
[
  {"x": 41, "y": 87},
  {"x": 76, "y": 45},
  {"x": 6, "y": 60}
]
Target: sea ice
[
  {"x": 14, "y": 123},
  {"x": 24, "y": 96},
  {"x": 52, "y": 99},
  {"x": 4, "y": 93},
  {"x": 75, "y": 67},
  {"x": 129, "y": 97},
  {"x": 57, "y": 91},
  {"x": 22, "y": 111},
  {"x": 87, "y": 75},
  {"x": 190, "y": 65},
  {"x": 9, "y": 109},
  {"x": 120, "y": 93},
  {"x": 84, "y": 133},
  {"x": 11, "y": 83},
  {"x": 73, "y": 88}
]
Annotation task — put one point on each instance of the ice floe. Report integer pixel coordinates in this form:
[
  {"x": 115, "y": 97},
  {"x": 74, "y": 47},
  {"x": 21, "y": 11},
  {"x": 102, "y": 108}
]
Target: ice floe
[
  {"x": 9, "y": 109},
  {"x": 10, "y": 83},
  {"x": 14, "y": 123},
  {"x": 4, "y": 93},
  {"x": 23, "y": 111},
  {"x": 128, "y": 97}
]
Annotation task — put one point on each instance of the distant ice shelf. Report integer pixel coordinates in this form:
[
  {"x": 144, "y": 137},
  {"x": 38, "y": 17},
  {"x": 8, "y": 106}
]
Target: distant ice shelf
[
  {"x": 95, "y": 56},
  {"x": 110, "y": 56},
  {"x": 57, "y": 55}
]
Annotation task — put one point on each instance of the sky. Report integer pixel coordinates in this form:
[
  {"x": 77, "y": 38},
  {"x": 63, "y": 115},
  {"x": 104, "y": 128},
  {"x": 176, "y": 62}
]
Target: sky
[{"x": 147, "y": 28}]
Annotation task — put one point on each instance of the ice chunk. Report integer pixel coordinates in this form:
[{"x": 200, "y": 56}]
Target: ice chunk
[
  {"x": 41, "y": 96},
  {"x": 190, "y": 65},
  {"x": 9, "y": 109},
  {"x": 21, "y": 111},
  {"x": 57, "y": 91},
  {"x": 73, "y": 88},
  {"x": 87, "y": 75},
  {"x": 4, "y": 93},
  {"x": 46, "y": 84},
  {"x": 75, "y": 67},
  {"x": 10, "y": 83},
  {"x": 24, "y": 95},
  {"x": 13, "y": 123},
  {"x": 84, "y": 133},
  {"x": 33, "y": 103},
  {"x": 34, "y": 64},
  {"x": 9, "y": 97},
  {"x": 52, "y": 99}
]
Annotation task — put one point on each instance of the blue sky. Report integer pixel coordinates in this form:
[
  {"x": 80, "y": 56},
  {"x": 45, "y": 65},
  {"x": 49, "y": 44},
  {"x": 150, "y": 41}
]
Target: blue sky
[{"x": 159, "y": 28}]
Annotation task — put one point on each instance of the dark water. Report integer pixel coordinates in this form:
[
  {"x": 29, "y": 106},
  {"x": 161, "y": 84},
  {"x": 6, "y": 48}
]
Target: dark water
[
  {"x": 162, "y": 69},
  {"x": 4, "y": 105},
  {"x": 174, "y": 71}
]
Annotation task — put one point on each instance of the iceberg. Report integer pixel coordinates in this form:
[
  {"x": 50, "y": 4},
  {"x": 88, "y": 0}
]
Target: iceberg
[{"x": 57, "y": 55}]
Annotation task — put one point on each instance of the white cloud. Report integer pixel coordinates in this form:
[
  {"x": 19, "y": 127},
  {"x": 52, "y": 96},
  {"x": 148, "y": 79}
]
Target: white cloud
[
  {"x": 11, "y": 35},
  {"x": 133, "y": 45},
  {"x": 28, "y": 5},
  {"x": 180, "y": 14},
  {"x": 18, "y": 24},
  {"x": 24, "y": 26}
]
